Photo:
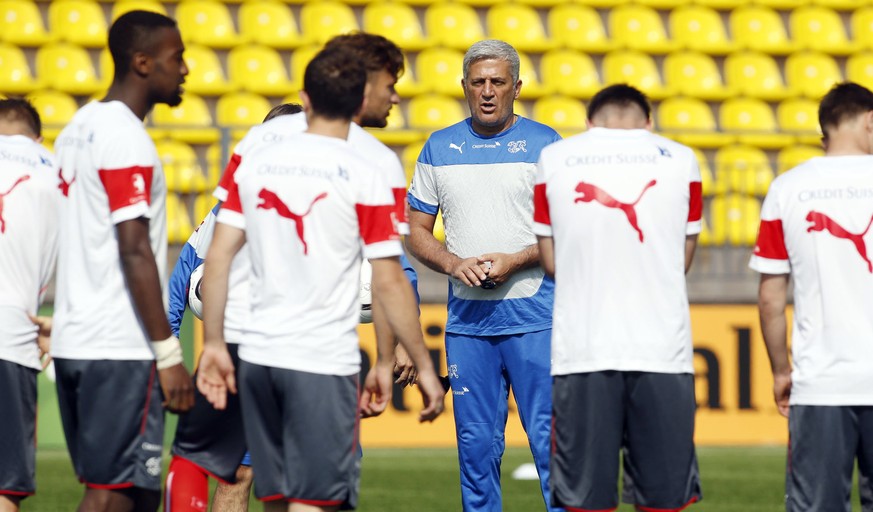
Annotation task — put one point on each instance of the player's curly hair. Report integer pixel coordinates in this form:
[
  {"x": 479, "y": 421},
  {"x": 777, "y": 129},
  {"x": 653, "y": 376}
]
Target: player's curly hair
[
  {"x": 334, "y": 81},
  {"x": 619, "y": 95},
  {"x": 376, "y": 52},
  {"x": 843, "y": 102},
  {"x": 20, "y": 110},
  {"x": 134, "y": 32}
]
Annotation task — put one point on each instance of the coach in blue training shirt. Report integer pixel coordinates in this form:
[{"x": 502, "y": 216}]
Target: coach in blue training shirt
[{"x": 480, "y": 173}]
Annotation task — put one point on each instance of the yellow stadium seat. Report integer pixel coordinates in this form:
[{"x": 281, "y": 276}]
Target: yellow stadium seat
[
  {"x": 270, "y": 23},
  {"x": 859, "y": 69},
  {"x": 299, "y": 60},
  {"x": 821, "y": 29},
  {"x": 690, "y": 121},
  {"x": 203, "y": 204},
  {"x": 792, "y": 156},
  {"x": 570, "y": 73},
  {"x": 397, "y": 22},
  {"x": 240, "y": 111},
  {"x": 15, "y": 75},
  {"x": 531, "y": 86},
  {"x": 453, "y": 25},
  {"x": 637, "y": 69},
  {"x": 707, "y": 181},
  {"x": 479, "y": 3},
  {"x": 520, "y": 109},
  {"x": 753, "y": 122},
  {"x": 409, "y": 156},
  {"x": 744, "y": 169},
  {"x": 407, "y": 86},
  {"x": 602, "y": 4},
  {"x": 756, "y": 75},
  {"x": 259, "y": 69},
  {"x": 181, "y": 167},
  {"x": 700, "y": 28},
  {"x": 761, "y": 29},
  {"x": 429, "y": 112},
  {"x": 55, "y": 108},
  {"x": 440, "y": 70},
  {"x": 21, "y": 24},
  {"x": 179, "y": 226},
  {"x": 723, "y": 5},
  {"x": 639, "y": 28},
  {"x": 205, "y": 75},
  {"x": 540, "y": 3},
  {"x": 518, "y": 25},
  {"x": 189, "y": 122},
  {"x": 811, "y": 74},
  {"x": 67, "y": 68},
  {"x": 207, "y": 22},
  {"x": 695, "y": 74},
  {"x": 780, "y": 5},
  {"x": 842, "y": 5},
  {"x": 800, "y": 118},
  {"x": 735, "y": 219},
  {"x": 215, "y": 163},
  {"x": 704, "y": 238},
  {"x": 125, "y": 6},
  {"x": 579, "y": 27},
  {"x": 566, "y": 115},
  {"x": 862, "y": 27},
  {"x": 80, "y": 22},
  {"x": 107, "y": 70},
  {"x": 322, "y": 20},
  {"x": 396, "y": 133}
]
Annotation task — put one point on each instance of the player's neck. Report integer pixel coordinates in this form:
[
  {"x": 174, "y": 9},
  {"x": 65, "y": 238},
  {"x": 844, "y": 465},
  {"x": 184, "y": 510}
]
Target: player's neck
[
  {"x": 130, "y": 96},
  {"x": 337, "y": 128},
  {"x": 846, "y": 146}
]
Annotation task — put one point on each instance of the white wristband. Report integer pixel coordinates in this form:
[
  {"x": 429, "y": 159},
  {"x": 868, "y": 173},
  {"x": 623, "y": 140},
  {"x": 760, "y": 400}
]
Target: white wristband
[{"x": 167, "y": 352}]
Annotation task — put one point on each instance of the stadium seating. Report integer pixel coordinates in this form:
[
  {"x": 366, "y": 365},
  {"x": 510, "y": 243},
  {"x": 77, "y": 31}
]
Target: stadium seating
[
  {"x": 756, "y": 75},
  {"x": 842, "y": 5},
  {"x": 124, "y": 6},
  {"x": 55, "y": 108},
  {"x": 792, "y": 156},
  {"x": 570, "y": 73},
  {"x": 79, "y": 22},
  {"x": 203, "y": 204},
  {"x": 753, "y": 122},
  {"x": 269, "y": 23},
  {"x": 107, "y": 69},
  {"x": 690, "y": 121},
  {"x": 723, "y": 5},
  {"x": 21, "y": 24},
  {"x": 408, "y": 157},
  {"x": 205, "y": 74},
  {"x": 67, "y": 68},
  {"x": 240, "y": 111},
  {"x": 440, "y": 70},
  {"x": 207, "y": 22},
  {"x": 299, "y": 60},
  {"x": 431, "y": 112},
  {"x": 566, "y": 115},
  {"x": 320, "y": 21},
  {"x": 862, "y": 27},
  {"x": 735, "y": 219},
  {"x": 397, "y": 22},
  {"x": 811, "y": 74},
  {"x": 743, "y": 169},
  {"x": 189, "y": 122},
  {"x": 700, "y": 28},
  {"x": 181, "y": 167},
  {"x": 397, "y": 132},
  {"x": 760, "y": 29},
  {"x": 179, "y": 226},
  {"x": 453, "y": 25},
  {"x": 800, "y": 118},
  {"x": 821, "y": 29},
  {"x": 407, "y": 86},
  {"x": 637, "y": 69},
  {"x": 859, "y": 68},
  {"x": 531, "y": 86},
  {"x": 579, "y": 27},
  {"x": 518, "y": 25},
  {"x": 707, "y": 182},
  {"x": 639, "y": 28},
  {"x": 259, "y": 69},
  {"x": 695, "y": 74},
  {"x": 15, "y": 74}
]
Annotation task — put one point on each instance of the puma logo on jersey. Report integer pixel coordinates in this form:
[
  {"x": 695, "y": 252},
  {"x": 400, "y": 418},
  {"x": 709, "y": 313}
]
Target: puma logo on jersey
[
  {"x": 269, "y": 200},
  {"x": 22, "y": 179},
  {"x": 821, "y": 222},
  {"x": 459, "y": 148},
  {"x": 591, "y": 192},
  {"x": 64, "y": 185}
]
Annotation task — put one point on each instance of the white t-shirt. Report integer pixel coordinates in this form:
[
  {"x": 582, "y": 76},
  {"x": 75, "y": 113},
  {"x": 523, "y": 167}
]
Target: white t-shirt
[
  {"x": 307, "y": 205},
  {"x": 619, "y": 205},
  {"x": 815, "y": 225},
  {"x": 28, "y": 242},
  {"x": 109, "y": 173}
]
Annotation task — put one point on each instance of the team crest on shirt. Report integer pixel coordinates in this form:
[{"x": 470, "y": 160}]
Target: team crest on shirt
[
  {"x": 517, "y": 145},
  {"x": 821, "y": 222},
  {"x": 153, "y": 466},
  {"x": 453, "y": 371},
  {"x": 138, "y": 183},
  {"x": 664, "y": 152}
]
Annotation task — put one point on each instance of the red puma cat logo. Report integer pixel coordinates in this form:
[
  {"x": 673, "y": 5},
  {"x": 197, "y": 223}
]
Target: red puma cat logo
[
  {"x": 821, "y": 222},
  {"x": 269, "y": 200},
  {"x": 594, "y": 193},
  {"x": 3, "y": 197},
  {"x": 64, "y": 185}
]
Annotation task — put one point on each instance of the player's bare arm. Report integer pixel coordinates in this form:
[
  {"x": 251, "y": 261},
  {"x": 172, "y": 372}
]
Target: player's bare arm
[
  {"x": 772, "y": 299},
  {"x": 393, "y": 290},
  {"x": 547, "y": 254},
  {"x": 690, "y": 248},
  {"x": 500, "y": 266},
  {"x": 430, "y": 251},
  {"x": 141, "y": 274},
  {"x": 215, "y": 376}
]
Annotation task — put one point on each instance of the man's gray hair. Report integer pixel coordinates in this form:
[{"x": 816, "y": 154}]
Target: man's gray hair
[{"x": 492, "y": 49}]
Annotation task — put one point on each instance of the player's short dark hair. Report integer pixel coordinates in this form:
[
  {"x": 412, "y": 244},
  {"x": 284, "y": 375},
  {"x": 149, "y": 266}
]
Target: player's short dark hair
[
  {"x": 619, "y": 95},
  {"x": 285, "y": 109},
  {"x": 20, "y": 110},
  {"x": 376, "y": 52},
  {"x": 334, "y": 81},
  {"x": 134, "y": 32},
  {"x": 843, "y": 102}
]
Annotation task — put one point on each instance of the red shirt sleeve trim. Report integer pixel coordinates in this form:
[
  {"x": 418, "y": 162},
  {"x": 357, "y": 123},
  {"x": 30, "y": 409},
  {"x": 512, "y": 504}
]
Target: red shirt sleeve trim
[
  {"x": 695, "y": 202},
  {"x": 226, "y": 180},
  {"x": 375, "y": 223},
  {"x": 232, "y": 202},
  {"x": 400, "y": 204},
  {"x": 771, "y": 241},
  {"x": 541, "y": 205},
  {"x": 127, "y": 186}
]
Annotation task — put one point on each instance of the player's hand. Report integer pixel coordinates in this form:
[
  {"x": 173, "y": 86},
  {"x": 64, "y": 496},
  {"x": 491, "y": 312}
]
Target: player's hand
[
  {"x": 433, "y": 394},
  {"x": 782, "y": 392},
  {"x": 215, "y": 375},
  {"x": 502, "y": 266},
  {"x": 177, "y": 387},
  {"x": 404, "y": 370},
  {"x": 469, "y": 272},
  {"x": 377, "y": 391},
  {"x": 43, "y": 337}
]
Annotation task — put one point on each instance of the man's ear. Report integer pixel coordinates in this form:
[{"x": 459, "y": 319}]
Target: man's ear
[
  {"x": 517, "y": 89},
  {"x": 141, "y": 63}
]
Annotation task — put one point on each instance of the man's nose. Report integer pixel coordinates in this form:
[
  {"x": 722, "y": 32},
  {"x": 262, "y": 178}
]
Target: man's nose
[{"x": 488, "y": 89}]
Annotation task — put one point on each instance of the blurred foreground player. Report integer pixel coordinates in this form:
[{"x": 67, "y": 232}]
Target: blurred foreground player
[
  {"x": 815, "y": 227},
  {"x": 28, "y": 248},
  {"x": 304, "y": 208},
  {"x": 630, "y": 202},
  {"x": 112, "y": 344}
]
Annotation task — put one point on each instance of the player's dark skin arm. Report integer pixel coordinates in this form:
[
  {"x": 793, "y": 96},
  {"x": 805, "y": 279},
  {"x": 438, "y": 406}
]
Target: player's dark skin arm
[{"x": 141, "y": 274}]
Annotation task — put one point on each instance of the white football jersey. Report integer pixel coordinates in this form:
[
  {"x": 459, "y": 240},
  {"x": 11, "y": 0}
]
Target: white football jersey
[
  {"x": 109, "y": 173},
  {"x": 28, "y": 242},
  {"x": 307, "y": 205},
  {"x": 619, "y": 205},
  {"x": 815, "y": 225}
]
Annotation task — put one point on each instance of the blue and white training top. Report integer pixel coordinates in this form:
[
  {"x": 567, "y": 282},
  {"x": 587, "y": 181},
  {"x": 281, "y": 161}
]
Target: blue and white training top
[{"x": 484, "y": 188}]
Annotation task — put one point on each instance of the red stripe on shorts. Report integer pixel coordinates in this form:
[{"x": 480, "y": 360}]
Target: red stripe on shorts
[
  {"x": 145, "y": 413},
  {"x": 15, "y": 493},
  {"x": 317, "y": 503},
  {"x": 573, "y": 509},
  {"x": 683, "y": 507},
  {"x": 125, "y": 485},
  {"x": 275, "y": 497}
]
